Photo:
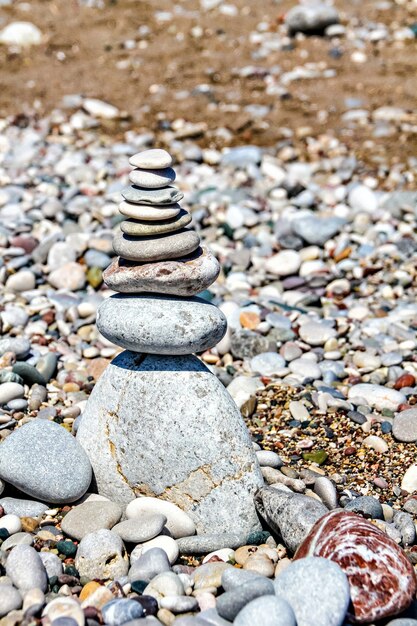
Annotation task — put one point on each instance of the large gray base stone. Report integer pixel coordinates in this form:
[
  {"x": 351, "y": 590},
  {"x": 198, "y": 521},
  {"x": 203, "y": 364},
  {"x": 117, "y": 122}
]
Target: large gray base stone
[{"x": 164, "y": 426}]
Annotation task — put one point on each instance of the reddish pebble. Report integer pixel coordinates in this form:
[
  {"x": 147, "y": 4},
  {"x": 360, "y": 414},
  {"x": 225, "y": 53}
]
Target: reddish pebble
[
  {"x": 349, "y": 451},
  {"x": 406, "y": 380},
  {"x": 381, "y": 578},
  {"x": 28, "y": 244}
]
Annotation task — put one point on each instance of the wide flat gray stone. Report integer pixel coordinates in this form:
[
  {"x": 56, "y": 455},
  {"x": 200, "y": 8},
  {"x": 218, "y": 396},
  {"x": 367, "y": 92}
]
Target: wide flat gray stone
[
  {"x": 139, "y": 228},
  {"x": 139, "y": 195},
  {"x": 22, "y": 507},
  {"x": 90, "y": 517},
  {"x": 43, "y": 460},
  {"x": 156, "y": 247},
  {"x": 166, "y": 427},
  {"x": 161, "y": 324},
  {"x": 180, "y": 277}
]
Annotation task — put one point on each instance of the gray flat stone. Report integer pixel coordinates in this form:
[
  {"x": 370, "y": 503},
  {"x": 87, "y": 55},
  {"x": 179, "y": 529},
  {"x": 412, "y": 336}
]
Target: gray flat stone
[
  {"x": 266, "y": 611},
  {"x": 121, "y": 610},
  {"x": 404, "y": 427},
  {"x": 17, "y": 539},
  {"x": 23, "y": 508},
  {"x": 180, "y": 277},
  {"x": 291, "y": 515},
  {"x": 139, "y": 195},
  {"x": 155, "y": 247},
  {"x": 52, "y": 563},
  {"x": 25, "y": 569},
  {"x": 231, "y": 602},
  {"x": 317, "y": 591},
  {"x": 89, "y": 517},
  {"x": 135, "y": 405},
  {"x": 140, "y": 529},
  {"x": 150, "y": 564},
  {"x": 234, "y": 577},
  {"x": 141, "y": 228},
  {"x": 203, "y": 544},
  {"x": 43, "y": 460},
  {"x": 366, "y": 505},
  {"x": 101, "y": 555},
  {"x": 161, "y": 324}
]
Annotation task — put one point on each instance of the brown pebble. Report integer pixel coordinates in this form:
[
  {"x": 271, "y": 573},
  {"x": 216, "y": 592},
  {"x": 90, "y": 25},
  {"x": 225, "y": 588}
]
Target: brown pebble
[
  {"x": 406, "y": 380},
  {"x": 29, "y": 524},
  {"x": 349, "y": 451}
]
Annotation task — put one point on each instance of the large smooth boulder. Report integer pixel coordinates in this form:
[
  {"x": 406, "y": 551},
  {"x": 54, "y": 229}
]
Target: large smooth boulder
[{"x": 164, "y": 426}]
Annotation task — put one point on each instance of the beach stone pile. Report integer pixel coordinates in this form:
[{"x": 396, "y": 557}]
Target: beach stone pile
[{"x": 159, "y": 423}]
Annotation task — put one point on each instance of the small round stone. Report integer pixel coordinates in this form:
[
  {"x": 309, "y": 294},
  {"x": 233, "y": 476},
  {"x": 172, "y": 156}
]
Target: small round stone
[
  {"x": 156, "y": 158},
  {"x": 62, "y": 607},
  {"x": 404, "y": 427},
  {"x": 10, "y": 391},
  {"x": 11, "y": 523},
  {"x": 367, "y": 505},
  {"x": 152, "y": 179},
  {"x": 150, "y": 564},
  {"x": 138, "y": 228},
  {"x": 140, "y": 529},
  {"x": 121, "y": 610}
]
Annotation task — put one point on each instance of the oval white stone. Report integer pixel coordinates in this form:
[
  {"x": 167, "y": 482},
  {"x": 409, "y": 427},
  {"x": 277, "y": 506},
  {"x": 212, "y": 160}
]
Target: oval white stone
[
  {"x": 178, "y": 523},
  {"x": 151, "y": 159},
  {"x": 152, "y": 179}
]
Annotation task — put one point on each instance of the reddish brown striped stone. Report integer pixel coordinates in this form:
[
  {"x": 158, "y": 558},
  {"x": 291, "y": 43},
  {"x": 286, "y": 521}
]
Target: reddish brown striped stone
[{"x": 381, "y": 578}]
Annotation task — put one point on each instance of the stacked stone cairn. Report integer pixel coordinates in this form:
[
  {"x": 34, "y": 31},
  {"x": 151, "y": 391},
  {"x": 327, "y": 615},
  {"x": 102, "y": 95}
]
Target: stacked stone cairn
[{"x": 159, "y": 423}]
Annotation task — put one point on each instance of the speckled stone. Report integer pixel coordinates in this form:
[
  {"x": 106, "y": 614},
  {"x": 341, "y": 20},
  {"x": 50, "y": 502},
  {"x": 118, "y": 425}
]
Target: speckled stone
[
  {"x": 161, "y": 324},
  {"x": 187, "y": 276},
  {"x": 381, "y": 578},
  {"x": 156, "y": 158},
  {"x": 231, "y": 602},
  {"x": 266, "y": 611},
  {"x": 143, "y": 228},
  {"x": 101, "y": 555},
  {"x": 146, "y": 212},
  {"x": 317, "y": 591},
  {"x": 135, "y": 407},
  {"x": 25, "y": 569},
  {"x": 43, "y": 460},
  {"x": 139, "y": 195},
  {"x": 89, "y": 517},
  {"x": 157, "y": 247},
  {"x": 152, "y": 179},
  {"x": 291, "y": 515}
]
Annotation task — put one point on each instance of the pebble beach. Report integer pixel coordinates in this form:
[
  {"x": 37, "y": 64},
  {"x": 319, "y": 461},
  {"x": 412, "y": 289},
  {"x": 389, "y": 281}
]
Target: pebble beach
[{"x": 306, "y": 247}]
